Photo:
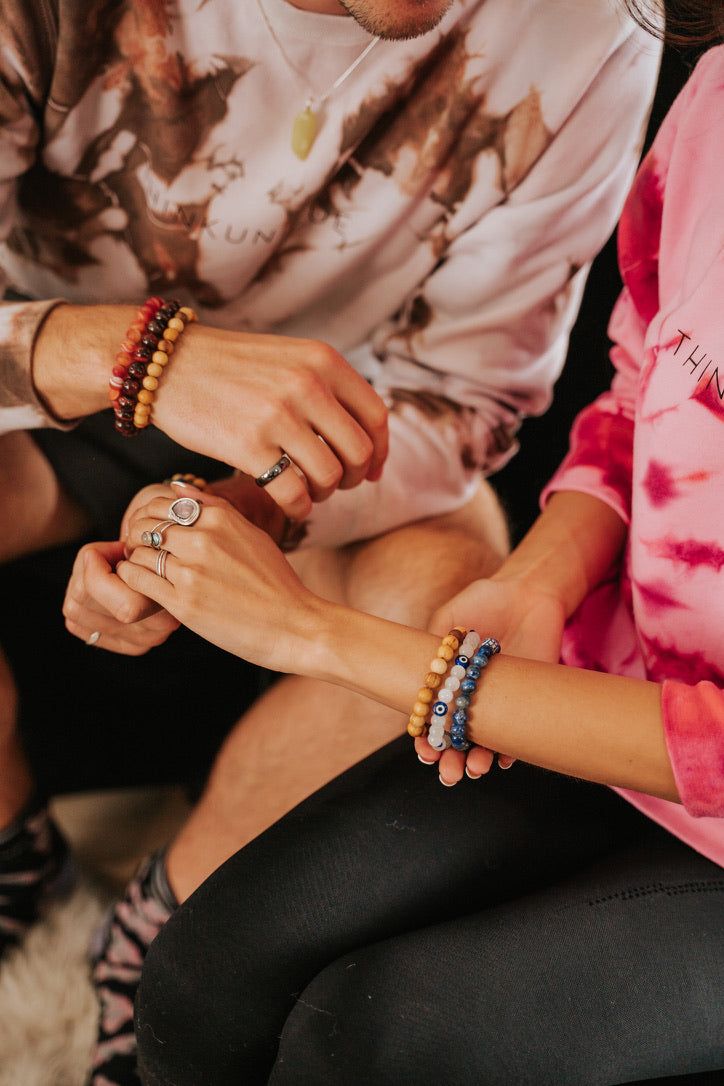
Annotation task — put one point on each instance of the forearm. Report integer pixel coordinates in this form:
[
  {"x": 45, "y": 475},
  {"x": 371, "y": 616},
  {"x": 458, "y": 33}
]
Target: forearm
[
  {"x": 602, "y": 728},
  {"x": 73, "y": 356},
  {"x": 569, "y": 549}
]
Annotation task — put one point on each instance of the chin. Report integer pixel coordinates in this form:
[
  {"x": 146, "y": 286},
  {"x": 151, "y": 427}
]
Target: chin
[{"x": 397, "y": 19}]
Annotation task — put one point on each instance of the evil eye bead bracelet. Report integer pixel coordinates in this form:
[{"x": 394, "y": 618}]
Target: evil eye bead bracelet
[
  {"x": 468, "y": 686},
  {"x": 437, "y": 736}
]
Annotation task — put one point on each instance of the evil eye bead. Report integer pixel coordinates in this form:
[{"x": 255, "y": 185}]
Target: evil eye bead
[
  {"x": 462, "y": 661},
  {"x": 439, "y": 708}
]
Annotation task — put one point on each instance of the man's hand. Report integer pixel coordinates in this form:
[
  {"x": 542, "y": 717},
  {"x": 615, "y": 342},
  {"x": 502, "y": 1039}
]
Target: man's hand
[
  {"x": 526, "y": 621},
  {"x": 237, "y": 397},
  {"x": 97, "y": 601}
]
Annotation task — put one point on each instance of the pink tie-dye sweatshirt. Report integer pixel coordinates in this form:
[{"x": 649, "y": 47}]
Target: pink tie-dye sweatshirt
[{"x": 653, "y": 449}]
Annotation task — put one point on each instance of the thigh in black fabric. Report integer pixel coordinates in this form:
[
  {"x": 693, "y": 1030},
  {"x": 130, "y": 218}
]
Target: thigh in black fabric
[
  {"x": 612, "y": 976},
  {"x": 382, "y": 850}
]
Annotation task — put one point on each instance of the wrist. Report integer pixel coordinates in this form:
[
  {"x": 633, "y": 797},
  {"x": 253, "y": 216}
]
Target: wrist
[
  {"x": 314, "y": 640},
  {"x": 531, "y": 581},
  {"x": 73, "y": 356}
]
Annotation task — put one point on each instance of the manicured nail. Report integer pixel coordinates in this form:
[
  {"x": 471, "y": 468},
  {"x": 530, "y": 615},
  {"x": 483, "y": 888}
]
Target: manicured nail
[
  {"x": 448, "y": 784},
  {"x": 473, "y": 776},
  {"x": 424, "y": 760},
  {"x": 504, "y": 765}
]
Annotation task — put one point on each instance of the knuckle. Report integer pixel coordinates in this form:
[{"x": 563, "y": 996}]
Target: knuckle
[
  {"x": 332, "y": 477},
  {"x": 186, "y": 579},
  {"x": 378, "y": 416},
  {"x": 362, "y": 453},
  {"x": 129, "y": 612},
  {"x": 215, "y": 517},
  {"x": 71, "y": 607},
  {"x": 200, "y": 543},
  {"x": 321, "y": 355}
]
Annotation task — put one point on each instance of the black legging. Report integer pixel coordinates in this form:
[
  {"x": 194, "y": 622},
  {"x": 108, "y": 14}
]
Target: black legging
[{"x": 523, "y": 929}]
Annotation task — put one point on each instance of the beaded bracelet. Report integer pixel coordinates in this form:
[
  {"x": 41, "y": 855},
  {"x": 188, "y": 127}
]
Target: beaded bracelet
[
  {"x": 144, "y": 353},
  {"x": 437, "y": 737},
  {"x": 433, "y": 680},
  {"x": 187, "y": 479},
  {"x": 468, "y": 686}
]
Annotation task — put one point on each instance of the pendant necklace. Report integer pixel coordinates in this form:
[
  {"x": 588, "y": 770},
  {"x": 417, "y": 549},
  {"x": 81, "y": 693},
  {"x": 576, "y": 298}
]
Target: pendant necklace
[{"x": 305, "y": 127}]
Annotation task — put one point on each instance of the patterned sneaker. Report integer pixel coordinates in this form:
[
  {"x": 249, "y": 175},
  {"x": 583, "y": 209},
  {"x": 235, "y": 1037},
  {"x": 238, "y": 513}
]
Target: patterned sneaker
[
  {"x": 35, "y": 866},
  {"x": 129, "y": 930}
]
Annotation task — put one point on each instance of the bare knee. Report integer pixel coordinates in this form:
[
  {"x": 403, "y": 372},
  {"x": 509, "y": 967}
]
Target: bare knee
[{"x": 406, "y": 575}]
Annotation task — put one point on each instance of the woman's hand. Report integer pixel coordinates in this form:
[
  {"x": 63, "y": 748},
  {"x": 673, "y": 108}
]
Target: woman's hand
[
  {"x": 528, "y": 622},
  {"x": 97, "y": 601},
  {"x": 226, "y": 580}
]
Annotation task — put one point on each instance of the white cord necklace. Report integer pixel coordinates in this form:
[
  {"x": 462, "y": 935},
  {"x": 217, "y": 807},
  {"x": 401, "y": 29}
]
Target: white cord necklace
[{"x": 305, "y": 127}]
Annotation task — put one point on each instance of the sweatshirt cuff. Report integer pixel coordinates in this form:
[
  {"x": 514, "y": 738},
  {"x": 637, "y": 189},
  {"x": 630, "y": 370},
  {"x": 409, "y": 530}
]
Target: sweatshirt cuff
[
  {"x": 20, "y": 405},
  {"x": 694, "y": 733}
]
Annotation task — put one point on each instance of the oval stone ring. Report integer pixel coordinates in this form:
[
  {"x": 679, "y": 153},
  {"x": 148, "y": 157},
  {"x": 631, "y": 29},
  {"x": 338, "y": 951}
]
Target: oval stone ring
[
  {"x": 154, "y": 538},
  {"x": 184, "y": 511}
]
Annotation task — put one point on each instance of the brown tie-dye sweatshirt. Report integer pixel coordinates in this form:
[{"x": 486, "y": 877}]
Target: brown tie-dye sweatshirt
[{"x": 438, "y": 234}]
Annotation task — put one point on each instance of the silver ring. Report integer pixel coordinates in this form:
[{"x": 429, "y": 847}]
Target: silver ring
[
  {"x": 184, "y": 511},
  {"x": 161, "y": 559},
  {"x": 274, "y": 471},
  {"x": 154, "y": 538},
  {"x": 94, "y": 638}
]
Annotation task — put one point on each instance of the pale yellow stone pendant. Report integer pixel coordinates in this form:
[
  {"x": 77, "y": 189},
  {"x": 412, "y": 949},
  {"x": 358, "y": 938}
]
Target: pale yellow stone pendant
[{"x": 304, "y": 132}]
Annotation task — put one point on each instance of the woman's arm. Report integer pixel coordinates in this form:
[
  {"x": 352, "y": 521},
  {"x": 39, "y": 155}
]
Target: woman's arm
[
  {"x": 599, "y": 727},
  {"x": 227, "y": 581}
]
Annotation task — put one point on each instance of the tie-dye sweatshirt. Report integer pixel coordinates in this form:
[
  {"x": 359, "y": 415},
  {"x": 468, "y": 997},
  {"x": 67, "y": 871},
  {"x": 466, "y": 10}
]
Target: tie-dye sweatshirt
[
  {"x": 653, "y": 449},
  {"x": 438, "y": 233}
]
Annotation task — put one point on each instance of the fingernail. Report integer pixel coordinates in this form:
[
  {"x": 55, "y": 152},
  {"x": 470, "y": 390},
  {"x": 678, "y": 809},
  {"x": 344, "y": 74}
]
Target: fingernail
[
  {"x": 473, "y": 776},
  {"x": 504, "y": 765},
  {"x": 424, "y": 760},
  {"x": 448, "y": 784}
]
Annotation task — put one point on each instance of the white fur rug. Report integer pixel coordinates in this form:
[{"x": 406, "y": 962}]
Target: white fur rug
[{"x": 48, "y": 1010}]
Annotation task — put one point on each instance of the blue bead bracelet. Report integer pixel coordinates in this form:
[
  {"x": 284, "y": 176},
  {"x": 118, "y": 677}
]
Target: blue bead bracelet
[{"x": 475, "y": 668}]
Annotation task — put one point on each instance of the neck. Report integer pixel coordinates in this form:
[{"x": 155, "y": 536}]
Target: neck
[{"x": 322, "y": 7}]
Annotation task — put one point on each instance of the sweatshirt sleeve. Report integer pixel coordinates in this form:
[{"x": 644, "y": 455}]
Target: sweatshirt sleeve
[
  {"x": 24, "y": 74},
  {"x": 482, "y": 341}
]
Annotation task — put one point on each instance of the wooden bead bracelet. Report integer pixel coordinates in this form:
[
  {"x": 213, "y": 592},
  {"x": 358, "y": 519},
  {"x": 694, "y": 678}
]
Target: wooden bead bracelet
[
  {"x": 147, "y": 348},
  {"x": 433, "y": 681}
]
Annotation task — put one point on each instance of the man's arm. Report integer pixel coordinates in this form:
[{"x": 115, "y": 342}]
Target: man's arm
[{"x": 238, "y": 398}]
